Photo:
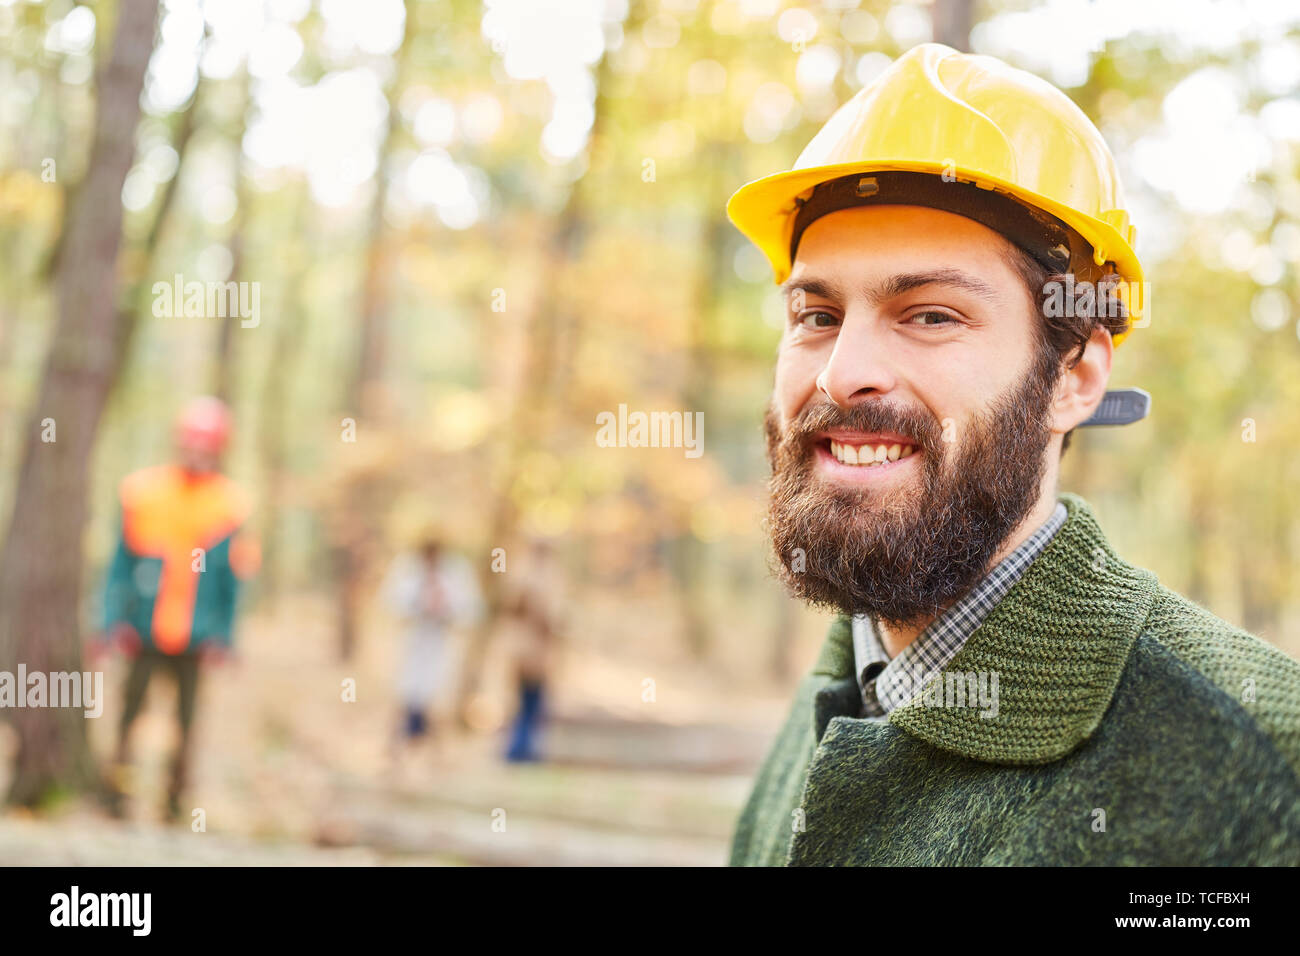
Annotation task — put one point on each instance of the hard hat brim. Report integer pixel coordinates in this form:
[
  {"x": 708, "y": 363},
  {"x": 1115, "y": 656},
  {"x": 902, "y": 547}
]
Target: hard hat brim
[{"x": 764, "y": 211}]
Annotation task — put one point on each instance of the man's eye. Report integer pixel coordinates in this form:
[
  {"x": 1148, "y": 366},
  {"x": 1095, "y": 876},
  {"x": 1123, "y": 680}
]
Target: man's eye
[
  {"x": 931, "y": 318},
  {"x": 816, "y": 320}
]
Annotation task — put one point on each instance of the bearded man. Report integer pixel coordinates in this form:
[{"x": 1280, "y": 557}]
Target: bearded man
[{"x": 998, "y": 685}]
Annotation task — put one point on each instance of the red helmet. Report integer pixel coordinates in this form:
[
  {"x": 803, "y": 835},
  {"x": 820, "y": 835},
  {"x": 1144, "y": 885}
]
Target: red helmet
[{"x": 204, "y": 424}]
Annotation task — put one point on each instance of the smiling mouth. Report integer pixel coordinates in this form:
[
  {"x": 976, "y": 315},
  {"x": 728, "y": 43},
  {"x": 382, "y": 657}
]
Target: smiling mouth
[{"x": 867, "y": 456}]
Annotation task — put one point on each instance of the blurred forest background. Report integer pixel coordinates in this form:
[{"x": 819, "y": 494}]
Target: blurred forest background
[{"x": 475, "y": 226}]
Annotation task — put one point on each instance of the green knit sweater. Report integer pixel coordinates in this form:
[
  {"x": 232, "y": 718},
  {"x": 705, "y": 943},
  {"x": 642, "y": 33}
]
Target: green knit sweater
[{"x": 1132, "y": 727}]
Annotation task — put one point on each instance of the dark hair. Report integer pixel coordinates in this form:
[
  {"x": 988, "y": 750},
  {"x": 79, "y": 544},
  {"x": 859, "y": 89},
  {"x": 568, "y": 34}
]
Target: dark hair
[
  {"x": 429, "y": 544},
  {"x": 1062, "y": 338}
]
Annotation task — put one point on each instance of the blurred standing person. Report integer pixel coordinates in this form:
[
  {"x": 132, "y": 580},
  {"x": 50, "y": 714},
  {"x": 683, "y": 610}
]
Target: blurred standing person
[
  {"x": 433, "y": 592},
  {"x": 170, "y": 598},
  {"x": 531, "y": 619}
]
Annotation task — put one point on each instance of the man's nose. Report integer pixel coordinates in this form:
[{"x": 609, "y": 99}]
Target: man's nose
[{"x": 859, "y": 363}]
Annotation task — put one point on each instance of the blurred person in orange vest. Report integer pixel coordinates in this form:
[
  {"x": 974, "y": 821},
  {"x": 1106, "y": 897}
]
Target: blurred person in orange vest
[{"x": 169, "y": 602}]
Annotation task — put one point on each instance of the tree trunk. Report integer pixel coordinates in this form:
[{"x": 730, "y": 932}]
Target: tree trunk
[
  {"x": 544, "y": 369},
  {"x": 41, "y": 569},
  {"x": 227, "y": 362},
  {"x": 275, "y": 409},
  {"x": 365, "y": 401},
  {"x": 692, "y": 563},
  {"x": 137, "y": 300},
  {"x": 784, "y": 622},
  {"x": 952, "y": 21}
]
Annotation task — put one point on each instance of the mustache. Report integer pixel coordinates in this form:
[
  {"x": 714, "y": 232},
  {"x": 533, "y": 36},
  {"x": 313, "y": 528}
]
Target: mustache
[{"x": 812, "y": 420}]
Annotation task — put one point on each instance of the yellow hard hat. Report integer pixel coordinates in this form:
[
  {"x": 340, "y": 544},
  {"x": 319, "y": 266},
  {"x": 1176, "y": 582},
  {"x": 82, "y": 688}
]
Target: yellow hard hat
[{"x": 970, "y": 120}]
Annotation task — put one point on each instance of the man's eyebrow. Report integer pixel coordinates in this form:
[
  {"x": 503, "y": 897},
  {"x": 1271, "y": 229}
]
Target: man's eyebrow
[
  {"x": 895, "y": 285},
  {"x": 812, "y": 286},
  {"x": 905, "y": 282}
]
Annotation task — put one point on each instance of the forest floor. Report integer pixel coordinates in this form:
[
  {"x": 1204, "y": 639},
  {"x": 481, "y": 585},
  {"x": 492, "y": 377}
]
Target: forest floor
[{"x": 289, "y": 772}]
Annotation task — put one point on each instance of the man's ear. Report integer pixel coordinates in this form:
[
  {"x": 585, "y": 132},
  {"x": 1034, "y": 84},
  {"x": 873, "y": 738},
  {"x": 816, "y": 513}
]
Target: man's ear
[{"x": 1082, "y": 387}]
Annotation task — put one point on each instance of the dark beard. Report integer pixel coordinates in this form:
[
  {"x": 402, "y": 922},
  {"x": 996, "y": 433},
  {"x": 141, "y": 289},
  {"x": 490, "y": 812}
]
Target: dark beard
[{"x": 906, "y": 557}]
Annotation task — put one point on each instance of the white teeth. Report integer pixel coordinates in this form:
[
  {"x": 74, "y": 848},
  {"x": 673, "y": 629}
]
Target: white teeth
[{"x": 866, "y": 455}]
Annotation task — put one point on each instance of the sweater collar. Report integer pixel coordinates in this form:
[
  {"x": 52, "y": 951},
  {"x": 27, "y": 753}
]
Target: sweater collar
[{"x": 1057, "y": 643}]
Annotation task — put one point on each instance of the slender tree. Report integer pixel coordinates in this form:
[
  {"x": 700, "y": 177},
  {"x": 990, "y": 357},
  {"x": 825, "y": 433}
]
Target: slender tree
[
  {"x": 364, "y": 397},
  {"x": 227, "y": 367},
  {"x": 41, "y": 565},
  {"x": 275, "y": 402},
  {"x": 952, "y": 21},
  {"x": 535, "y": 399}
]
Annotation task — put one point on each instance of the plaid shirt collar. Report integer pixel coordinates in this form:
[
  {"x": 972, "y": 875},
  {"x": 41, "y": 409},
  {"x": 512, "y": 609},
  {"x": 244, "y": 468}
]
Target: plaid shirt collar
[{"x": 886, "y": 684}]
